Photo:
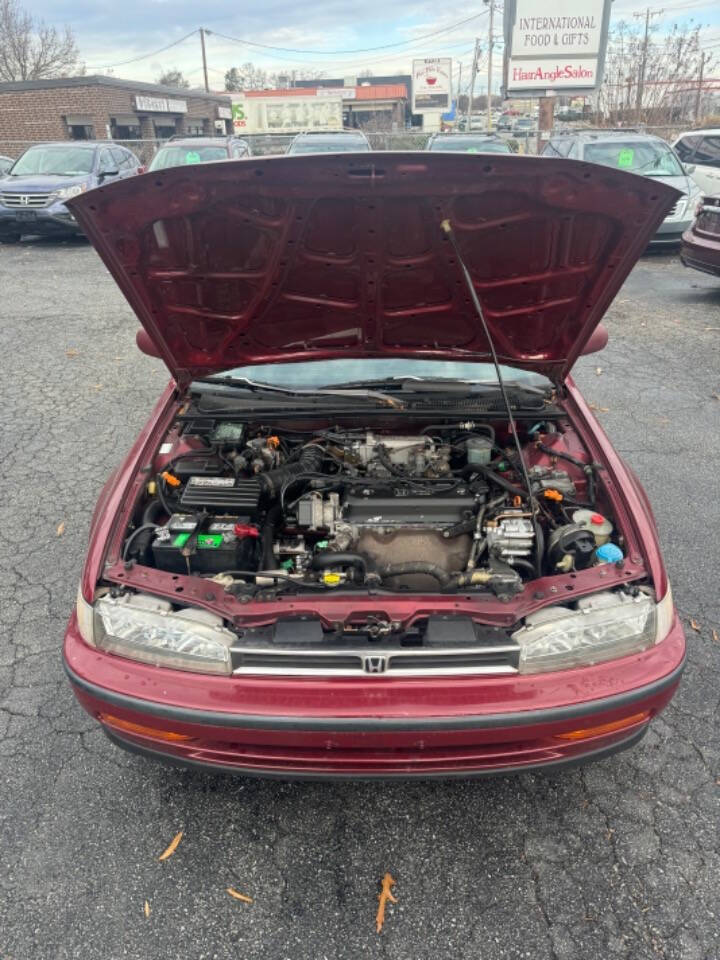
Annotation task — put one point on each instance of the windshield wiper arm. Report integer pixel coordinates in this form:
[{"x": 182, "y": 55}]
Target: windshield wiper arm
[{"x": 352, "y": 393}]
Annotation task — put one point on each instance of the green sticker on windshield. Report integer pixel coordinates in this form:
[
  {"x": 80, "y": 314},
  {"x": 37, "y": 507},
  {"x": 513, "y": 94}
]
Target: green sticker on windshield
[
  {"x": 472, "y": 150},
  {"x": 626, "y": 157},
  {"x": 192, "y": 157}
]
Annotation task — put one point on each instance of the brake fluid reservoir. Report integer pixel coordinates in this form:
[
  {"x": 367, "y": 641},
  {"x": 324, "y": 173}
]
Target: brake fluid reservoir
[{"x": 596, "y": 523}]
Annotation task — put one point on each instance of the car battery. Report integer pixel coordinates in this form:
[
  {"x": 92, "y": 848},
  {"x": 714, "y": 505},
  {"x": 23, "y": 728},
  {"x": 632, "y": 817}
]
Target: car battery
[{"x": 226, "y": 543}]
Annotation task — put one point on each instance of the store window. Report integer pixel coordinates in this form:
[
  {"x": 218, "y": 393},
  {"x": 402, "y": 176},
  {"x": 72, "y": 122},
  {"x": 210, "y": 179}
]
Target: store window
[
  {"x": 81, "y": 131},
  {"x": 125, "y": 129}
]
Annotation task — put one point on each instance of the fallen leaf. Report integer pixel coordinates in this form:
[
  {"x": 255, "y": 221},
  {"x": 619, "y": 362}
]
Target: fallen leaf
[
  {"x": 594, "y": 406},
  {"x": 238, "y": 896},
  {"x": 695, "y": 625},
  {"x": 172, "y": 848},
  {"x": 147, "y": 909},
  {"x": 60, "y": 528},
  {"x": 715, "y": 636},
  {"x": 715, "y": 396},
  {"x": 384, "y": 895},
  {"x": 598, "y": 370},
  {"x": 72, "y": 353}
]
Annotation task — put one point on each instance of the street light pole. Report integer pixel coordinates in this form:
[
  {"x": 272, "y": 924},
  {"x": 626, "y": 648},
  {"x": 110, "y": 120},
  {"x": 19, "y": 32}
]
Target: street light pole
[
  {"x": 490, "y": 53},
  {"x": 204, "y": 58}
]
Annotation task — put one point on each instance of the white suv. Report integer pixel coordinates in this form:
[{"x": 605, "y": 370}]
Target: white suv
[{"x": 701, "y": 149}]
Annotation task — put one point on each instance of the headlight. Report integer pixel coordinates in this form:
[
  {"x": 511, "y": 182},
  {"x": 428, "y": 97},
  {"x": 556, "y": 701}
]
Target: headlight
[
  {"x": 606, "y": 626},
  {"x": 67, "y": 193},
  {"x": 146, "y": 628}
]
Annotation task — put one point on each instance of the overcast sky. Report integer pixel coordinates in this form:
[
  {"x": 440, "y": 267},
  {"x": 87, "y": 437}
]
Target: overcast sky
[{"x": 109, "y": 33}]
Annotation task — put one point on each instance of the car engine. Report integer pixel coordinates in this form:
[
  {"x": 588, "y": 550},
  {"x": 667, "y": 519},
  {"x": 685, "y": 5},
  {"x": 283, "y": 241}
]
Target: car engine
[{"x": 442, "y": 507}]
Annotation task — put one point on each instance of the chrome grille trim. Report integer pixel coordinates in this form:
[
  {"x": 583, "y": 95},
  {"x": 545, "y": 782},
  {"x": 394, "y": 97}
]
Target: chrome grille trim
[
  {"x": 25, "y": 201},
  {"x": 352, "y": 662}
]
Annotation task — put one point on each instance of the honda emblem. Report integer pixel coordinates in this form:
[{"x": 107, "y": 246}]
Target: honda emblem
[
  {"x": 374, "y": 664},
  {"x": 24, "y": 199}
]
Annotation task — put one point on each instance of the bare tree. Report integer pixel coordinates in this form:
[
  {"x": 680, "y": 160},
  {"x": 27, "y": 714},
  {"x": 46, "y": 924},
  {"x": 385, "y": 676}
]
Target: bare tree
[
  {"x": 173, "y": 78},
  {"x": 669, "y": 82},
  {"x": 246, "y": 77},
  {"x": 31, "y": 50}
]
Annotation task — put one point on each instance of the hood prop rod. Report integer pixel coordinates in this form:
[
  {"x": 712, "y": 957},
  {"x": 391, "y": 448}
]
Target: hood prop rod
[{"x": 447, "y": 229}]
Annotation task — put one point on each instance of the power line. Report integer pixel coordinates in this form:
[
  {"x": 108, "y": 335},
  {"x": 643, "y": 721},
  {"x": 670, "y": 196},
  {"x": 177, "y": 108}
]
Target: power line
[
  {"x": 385, "y": 46},
  {"x": 144, "y": 56}
]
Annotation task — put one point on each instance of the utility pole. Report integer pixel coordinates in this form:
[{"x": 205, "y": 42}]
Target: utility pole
[
  {"x": 698, "y": 92},
  {"x": 473, "y": 71},
  {"x": 643, "y": 59},
  {"x": 491, "y": 4},
  {"x": 204, "y": 58}
]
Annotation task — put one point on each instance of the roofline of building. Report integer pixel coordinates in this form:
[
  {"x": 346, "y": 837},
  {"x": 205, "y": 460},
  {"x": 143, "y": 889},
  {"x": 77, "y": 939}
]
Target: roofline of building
[{"x": 98, "y": 80}]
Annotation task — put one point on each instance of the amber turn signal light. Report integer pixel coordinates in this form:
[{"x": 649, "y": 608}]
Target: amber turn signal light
[
  {"x": 604, "y": 727},
  {"x": 138, "y": 728}
]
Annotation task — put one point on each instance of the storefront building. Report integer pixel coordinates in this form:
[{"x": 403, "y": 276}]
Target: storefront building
[{"x": 100, "y": 108}]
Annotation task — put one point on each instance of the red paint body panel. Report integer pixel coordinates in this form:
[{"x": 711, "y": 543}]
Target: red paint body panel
[
  {"x": 314, "y": 257},
  {"x": 299, "y": 725}
]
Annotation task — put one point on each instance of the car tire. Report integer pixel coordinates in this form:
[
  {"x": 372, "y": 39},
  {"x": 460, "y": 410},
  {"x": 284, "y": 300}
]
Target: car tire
[{"x": 10, "y": 237}]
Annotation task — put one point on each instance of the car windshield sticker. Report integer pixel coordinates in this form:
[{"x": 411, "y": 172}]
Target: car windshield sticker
[
  {"x": 192, "y": 157},
  {"x": 472, "y": 150},
  {"x": 626, "y": 157}
]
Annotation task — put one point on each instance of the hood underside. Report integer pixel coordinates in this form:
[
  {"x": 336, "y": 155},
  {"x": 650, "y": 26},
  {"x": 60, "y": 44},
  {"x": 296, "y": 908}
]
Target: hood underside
[{"x": 296, "y": 258}]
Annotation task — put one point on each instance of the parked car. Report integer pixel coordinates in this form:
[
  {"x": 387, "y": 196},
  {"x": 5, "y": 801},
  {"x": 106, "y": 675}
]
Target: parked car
[
  {"x": 34, "y": 192},
  {"x": 701, "y": 241},
  {"x": 184, "y": 151},
  {"x": 524, "y": 126},
  {"x": 340, "y": 141},
  {"x": 699, "y": 150},
  {"x": 467, "y": 143},
  {"x": 5, "y": 164},
  {"x": 505, "y": 122},
  {"x": 636, "y": 153},
  {"x": 311, "y": 563}
]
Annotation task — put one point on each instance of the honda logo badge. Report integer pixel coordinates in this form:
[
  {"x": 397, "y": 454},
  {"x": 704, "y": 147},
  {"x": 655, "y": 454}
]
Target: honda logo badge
[
  {"x": 24, "y": 199},
  {"x": 375, "y": 664}
]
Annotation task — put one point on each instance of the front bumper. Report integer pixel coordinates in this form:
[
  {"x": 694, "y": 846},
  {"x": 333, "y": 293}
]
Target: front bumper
[
  {"x": 375, "y": 727},
  {"x": 670, "y": 231},
  {"x": 701, "y": 253},
  {"x": 50, "y": 220}
]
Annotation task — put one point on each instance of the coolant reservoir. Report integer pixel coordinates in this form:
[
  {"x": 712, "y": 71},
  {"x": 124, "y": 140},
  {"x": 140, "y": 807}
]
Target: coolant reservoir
[{"x": 596, "y": 523}]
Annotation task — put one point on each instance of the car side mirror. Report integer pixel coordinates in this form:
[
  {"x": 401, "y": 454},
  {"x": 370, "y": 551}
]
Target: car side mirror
[
  {"x": 597, "y": 341},
  {"x": 146, "y": 344},
  {"x": 108, "y": 173},
  {"x": 689, "y": 168}
]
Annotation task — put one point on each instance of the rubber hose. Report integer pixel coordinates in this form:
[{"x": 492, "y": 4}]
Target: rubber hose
[
  {"x": 525, "y": 564},
  {"x": 152, "y": 511},
  {"x": 501, "y": 482},
  {"x": 400, "y": 569},
  {"x": 133, "y": 537},
  {"x": 268, "y": 536},
  {"x": 322, "y": 560},
  {"x": 309, "y": 461}
]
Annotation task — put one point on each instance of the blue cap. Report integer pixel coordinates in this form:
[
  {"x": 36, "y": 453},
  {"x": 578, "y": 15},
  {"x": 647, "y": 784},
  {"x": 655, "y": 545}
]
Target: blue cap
[{"x": 608, "y": 553}]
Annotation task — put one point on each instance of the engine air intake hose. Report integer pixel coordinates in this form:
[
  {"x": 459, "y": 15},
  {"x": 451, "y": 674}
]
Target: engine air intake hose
[{"x": 309, "y": 461}]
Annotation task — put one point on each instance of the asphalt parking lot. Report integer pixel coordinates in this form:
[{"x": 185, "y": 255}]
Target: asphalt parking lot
[{"x": 615, "y": 860}]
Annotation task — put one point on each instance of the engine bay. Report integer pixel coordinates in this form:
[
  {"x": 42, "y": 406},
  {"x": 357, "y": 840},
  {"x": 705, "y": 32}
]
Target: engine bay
[{"x": 431, "y": 507}]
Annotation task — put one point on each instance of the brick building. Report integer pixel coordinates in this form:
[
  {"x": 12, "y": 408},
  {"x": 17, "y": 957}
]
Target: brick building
[{"x": 97, "y": 107}]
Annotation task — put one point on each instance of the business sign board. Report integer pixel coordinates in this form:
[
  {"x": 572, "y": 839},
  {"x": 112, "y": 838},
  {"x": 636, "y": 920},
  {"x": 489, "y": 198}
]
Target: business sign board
[
  {"x": 160, "y": 105},
  {"x": 432, "y": 85},
  {"x": 286, "y": 114},
  {"x": 556, "y": 47}
]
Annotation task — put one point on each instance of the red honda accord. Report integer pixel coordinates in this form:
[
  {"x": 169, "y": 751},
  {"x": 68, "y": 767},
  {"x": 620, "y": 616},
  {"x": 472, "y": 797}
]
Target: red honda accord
[{"x": 371, "y": 528}]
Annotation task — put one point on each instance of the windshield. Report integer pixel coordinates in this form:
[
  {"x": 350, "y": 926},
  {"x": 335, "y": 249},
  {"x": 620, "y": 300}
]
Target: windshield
[
  {"x": 333, "y": 373},
  {"x": 334, "y": 145},
  {"x": 182, "y": 156},
  {"x": 636, "y": 156},
  {"x": 55, "y": 161},
  {"x": 470, "y": 145}
]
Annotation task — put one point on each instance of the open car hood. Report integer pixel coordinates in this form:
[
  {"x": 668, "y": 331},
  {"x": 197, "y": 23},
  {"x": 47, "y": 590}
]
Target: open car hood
[{"x": 313, "y": 257}]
